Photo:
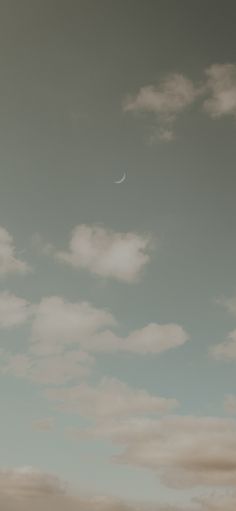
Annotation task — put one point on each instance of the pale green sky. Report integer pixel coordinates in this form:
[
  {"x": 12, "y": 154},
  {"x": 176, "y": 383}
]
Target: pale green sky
[{"x": 88, "y": 91}]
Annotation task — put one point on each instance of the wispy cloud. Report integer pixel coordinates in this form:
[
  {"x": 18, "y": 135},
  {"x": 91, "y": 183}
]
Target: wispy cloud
[
  {"x": 110, "y": 398},
  {"x": 9, "y": 263},
  {"x": 225, "y": 350}
]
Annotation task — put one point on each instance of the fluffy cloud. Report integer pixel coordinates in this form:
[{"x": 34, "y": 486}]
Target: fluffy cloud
[
  {"x": 63, "y": 333},
  {"x": 110, "y": 398},
  {"x": 58, "y": 323},
  {"x": 153, "y": 338},
  {"x": 221, "y": 85},
  {"x": 227, "y": 349},
  {"x": 183, "y": 451},
  {"x": 121, "y": 256},
  {"x": 14, "y": 311},
  {"x": 8, "y": 260},
  {"x": 173, "y": 95}
]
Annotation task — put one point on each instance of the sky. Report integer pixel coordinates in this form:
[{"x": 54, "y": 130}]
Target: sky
[{"x": 117, "y": 301}]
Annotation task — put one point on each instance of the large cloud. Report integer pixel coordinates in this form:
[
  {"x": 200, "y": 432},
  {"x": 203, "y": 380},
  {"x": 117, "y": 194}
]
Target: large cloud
[
  {"x": 9, "y": 263},
  {"x": 106, "y": 253},
  {"x": 59, "y": 323},
  {"x": 184, "y": 451},
  {"x": 110, "y": 398},
  {"x": 26, "y": 489}
]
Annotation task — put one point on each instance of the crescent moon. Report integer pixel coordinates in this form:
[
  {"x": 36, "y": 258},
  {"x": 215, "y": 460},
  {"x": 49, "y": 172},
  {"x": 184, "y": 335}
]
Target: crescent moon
[{"x": 121, "y": 180}]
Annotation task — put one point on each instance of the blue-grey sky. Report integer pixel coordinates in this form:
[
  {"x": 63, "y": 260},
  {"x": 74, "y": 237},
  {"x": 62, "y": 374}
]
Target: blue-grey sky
[{"x": 117, "y": 301}]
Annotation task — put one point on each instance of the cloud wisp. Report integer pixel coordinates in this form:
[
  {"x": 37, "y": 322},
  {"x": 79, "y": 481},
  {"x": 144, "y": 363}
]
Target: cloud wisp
[
  {"x": 9, "y": 263},
  {"x": 108, "y": 399}
]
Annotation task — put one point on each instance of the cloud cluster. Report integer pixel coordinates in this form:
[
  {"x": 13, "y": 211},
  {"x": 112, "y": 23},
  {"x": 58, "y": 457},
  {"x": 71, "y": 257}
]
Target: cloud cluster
[
  {"x": 176, "y": 92},
  {"x": 27, "y": 489},
  {"x": 64, "y": 333},
  {"x": 106, "y": 253},
  {"x": 9, "y": 263}
]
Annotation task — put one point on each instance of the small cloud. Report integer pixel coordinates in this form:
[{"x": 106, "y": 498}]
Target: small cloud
[
  {"x": 227, "y": 349},
  {"x": 166, "y": 101},
  {"x": 228, "y": 303},
  {"x": 221, "y": 86},
  {"x": 9, "y": 263},
  {"x": 106, "y": 253}
]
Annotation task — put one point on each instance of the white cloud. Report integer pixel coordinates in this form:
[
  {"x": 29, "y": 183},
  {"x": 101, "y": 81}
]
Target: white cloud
[
  {"x": 58, "y": 323},
  {"x": 106, "y": 253},
  {"x": 230, "y": 404},
  {"x": 227, "y": 349},
  {"x": 110, "y": 398},
  {"x": 8, "y": 260},
  {"x": 221, "y": 84},
  {"x": 63, "y": 333},
  {"x": 173, "y": 95},
  {"x": 14, "y": 311},
  {"x": 46, "y": 424},
  {"x": 184, "y": 451},
  {"x": 153, "y": 338}
]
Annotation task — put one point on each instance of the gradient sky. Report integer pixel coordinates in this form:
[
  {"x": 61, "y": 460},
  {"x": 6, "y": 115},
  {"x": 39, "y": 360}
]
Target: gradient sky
[{"x": 90, "y": 90}]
